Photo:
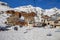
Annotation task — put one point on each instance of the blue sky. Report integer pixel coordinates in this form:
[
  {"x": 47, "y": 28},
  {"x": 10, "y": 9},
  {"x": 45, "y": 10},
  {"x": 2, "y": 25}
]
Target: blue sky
[{"x": 45, "y": 4}]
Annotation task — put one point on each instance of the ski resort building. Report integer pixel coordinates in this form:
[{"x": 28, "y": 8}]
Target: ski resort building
[{"x": 15, "y": 18}]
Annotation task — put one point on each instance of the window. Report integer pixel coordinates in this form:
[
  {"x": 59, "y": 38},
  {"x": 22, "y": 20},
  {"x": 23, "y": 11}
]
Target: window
[{"x": 56, "y": 22}]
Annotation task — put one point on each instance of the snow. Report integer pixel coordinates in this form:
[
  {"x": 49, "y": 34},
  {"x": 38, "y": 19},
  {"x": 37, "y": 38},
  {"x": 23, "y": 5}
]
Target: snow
[
  {"x": 49, "y": 12},
  {"x": 3, "y": 15},
  {"x": 33, "y": 34},
  {"x": 28, "y": 33},
  {"x": 3, "y": 19},
  {"x": 4, "y": 7},
  {"x": 35, "y": 18},
  {"x": 38, "y": 10},
  {"x": 28, "y": 9},
  {"x": 3, "y": 2},
  {"x": 22, "y": 18}
]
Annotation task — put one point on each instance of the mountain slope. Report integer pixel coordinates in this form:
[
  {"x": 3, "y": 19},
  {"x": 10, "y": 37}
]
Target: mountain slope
[
  {"x": 38, "y": 10},
  {"x": 29, "y": 8},
  {"x": 3, "y": 16},
  {"x": 4, "y": 6}
]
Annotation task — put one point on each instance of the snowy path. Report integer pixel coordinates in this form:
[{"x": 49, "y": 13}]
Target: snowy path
[{"x": 34, "y": 34}]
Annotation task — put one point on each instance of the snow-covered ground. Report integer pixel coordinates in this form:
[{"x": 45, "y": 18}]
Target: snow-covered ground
[
  {"x": 25, "y": 33},
  {"x": 32, "y": 34}
]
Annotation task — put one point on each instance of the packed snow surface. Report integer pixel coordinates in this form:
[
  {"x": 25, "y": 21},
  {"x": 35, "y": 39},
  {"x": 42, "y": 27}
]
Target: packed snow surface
[{"x": 31, "y": 34}]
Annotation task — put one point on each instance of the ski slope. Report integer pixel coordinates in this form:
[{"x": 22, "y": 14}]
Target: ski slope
[{"x": 33, "y": 34}]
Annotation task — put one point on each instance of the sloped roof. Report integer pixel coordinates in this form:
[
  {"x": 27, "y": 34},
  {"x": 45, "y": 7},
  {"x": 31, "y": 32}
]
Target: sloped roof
[
  {"x": 45, "y": 16},
  {"x": 54, "y": 17}
]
